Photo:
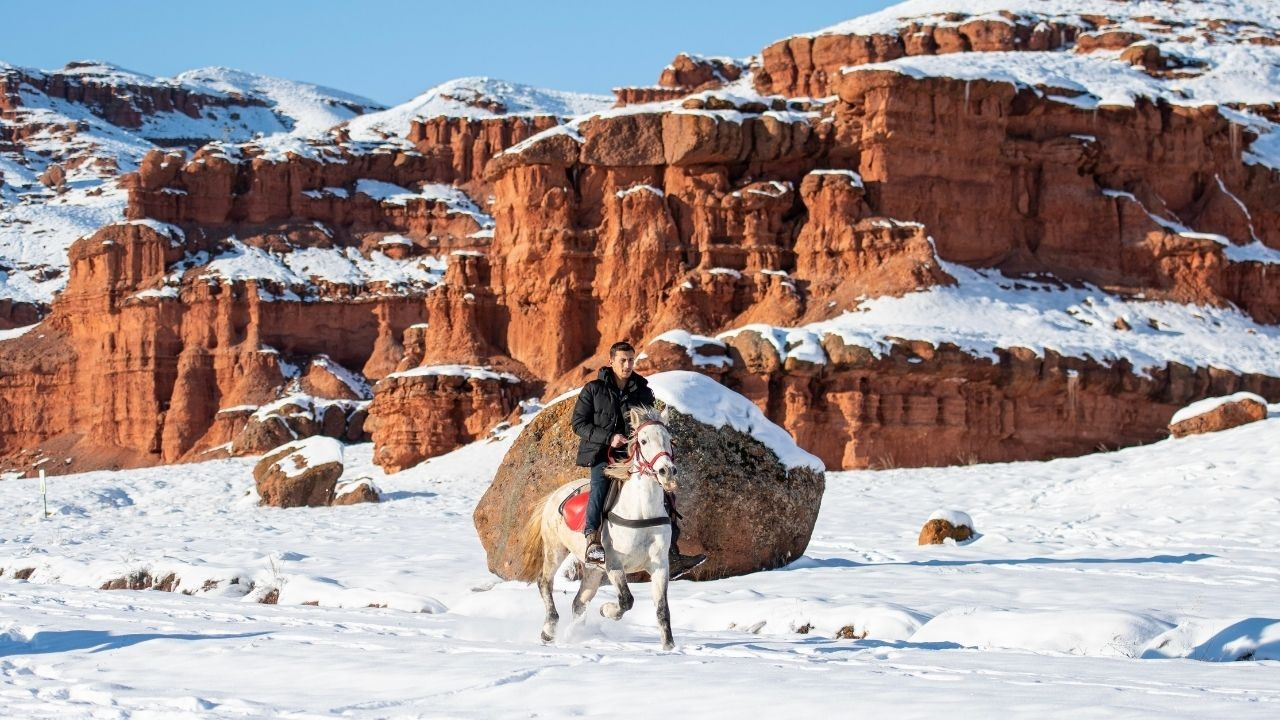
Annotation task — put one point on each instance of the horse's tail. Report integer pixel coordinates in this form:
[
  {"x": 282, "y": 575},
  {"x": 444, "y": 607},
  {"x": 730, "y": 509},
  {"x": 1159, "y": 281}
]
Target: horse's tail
[{"x": 532, "y": 544}]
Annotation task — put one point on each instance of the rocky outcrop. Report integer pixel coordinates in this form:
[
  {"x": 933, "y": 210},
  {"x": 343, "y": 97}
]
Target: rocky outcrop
[
  {"x": 166, "y": 375},
  {"x": 296, "y": 416},
  {"x": 684, "y": 75},
  {"x": 913, "y": 404},
  {"x": 268, "y": 199},
  {"x": 700, "y": 72},
  {"x": 844, "y": 254},
  {"x": 740, "y": 505},
  {"x": 431, "y": 410},
  {"x": 457, "y": 149},
  {"x": 1218, "y": 413},
  {"x": 938, "y": 530},
  {"x": 631, "y": 95},
  {"x": 299, "y": 474},
  {"x": 810, "y": 65},
  {"x": 19, "y": 314},
  {"x": 120, "y": 103},
  {"x": 1084, "y": 183},
  {"x": 356, "y": 492}
]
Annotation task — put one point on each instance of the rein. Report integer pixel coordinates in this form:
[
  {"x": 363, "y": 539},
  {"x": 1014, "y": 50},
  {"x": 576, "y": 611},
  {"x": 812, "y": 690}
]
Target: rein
[{"x": 638, "y": 461}]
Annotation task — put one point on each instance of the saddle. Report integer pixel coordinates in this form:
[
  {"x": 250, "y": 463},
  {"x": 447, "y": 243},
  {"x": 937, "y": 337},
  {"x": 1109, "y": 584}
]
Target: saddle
[{"x": 574, "y": 507}]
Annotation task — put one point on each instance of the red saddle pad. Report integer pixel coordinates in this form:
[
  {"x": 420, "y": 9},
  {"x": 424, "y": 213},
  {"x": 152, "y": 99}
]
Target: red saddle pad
[{"x": 574, "y": 508}]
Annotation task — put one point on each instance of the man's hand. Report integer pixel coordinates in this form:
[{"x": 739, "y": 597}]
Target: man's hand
[{"x": 617, "y": 441}]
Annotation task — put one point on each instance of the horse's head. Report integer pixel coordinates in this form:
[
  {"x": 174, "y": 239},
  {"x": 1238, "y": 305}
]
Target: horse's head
[{"x": 651, "y": 447}]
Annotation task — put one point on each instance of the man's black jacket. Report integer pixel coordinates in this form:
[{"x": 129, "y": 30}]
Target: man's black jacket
[{"x": 601, "y": 412}]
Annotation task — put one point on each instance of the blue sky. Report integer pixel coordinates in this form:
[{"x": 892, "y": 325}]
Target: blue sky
[{"x": 392, "y": 50}]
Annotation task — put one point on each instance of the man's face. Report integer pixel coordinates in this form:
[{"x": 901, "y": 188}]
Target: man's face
[{"x": 623, "y": 363}]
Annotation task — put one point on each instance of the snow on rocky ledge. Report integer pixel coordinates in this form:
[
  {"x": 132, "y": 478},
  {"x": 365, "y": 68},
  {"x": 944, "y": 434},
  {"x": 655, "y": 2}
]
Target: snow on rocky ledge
[
  {"x": 1200, "y": 407},
  {"x": 475, "y": 98}
]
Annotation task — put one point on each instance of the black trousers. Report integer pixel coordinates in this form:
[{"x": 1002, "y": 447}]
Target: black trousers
[{"x": 595, "y": 503}]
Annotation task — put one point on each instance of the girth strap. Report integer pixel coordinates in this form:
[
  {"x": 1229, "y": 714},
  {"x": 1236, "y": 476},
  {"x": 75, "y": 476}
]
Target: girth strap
[{"x": 637, "y": 524}]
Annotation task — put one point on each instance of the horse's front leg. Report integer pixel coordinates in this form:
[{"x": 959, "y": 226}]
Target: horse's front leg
[
  {"x": 613, "y": 610},
  {"x": 658, "y": 580},
  {"x": 659, "y": 575},
  {"x": 591, "y": 579}
]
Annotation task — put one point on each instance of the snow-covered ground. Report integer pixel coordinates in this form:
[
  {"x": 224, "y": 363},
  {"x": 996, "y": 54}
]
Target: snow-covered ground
[{"x": 1100, "y": 586}]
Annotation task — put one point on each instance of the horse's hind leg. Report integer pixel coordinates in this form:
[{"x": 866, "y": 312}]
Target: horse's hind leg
[
  {"x": 551, "y": 559},
  {"x": 591, "y": 579},
  {"x": 614, "y": 611},
  {"x": 658, "y": 581}
]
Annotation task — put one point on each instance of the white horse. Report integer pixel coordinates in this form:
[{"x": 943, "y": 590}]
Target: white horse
[{"x": 636, "y": 533}]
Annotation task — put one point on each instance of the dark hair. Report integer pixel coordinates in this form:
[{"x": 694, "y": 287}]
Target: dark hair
[{"x": 621, "y": 346}]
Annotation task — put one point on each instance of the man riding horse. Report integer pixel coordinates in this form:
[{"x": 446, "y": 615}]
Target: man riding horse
[{"x": 600, "y": 421}]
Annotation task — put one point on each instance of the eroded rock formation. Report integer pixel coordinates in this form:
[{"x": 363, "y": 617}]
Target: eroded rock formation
[
  {"x": 866, "y": 409},
  {"x": 530, "y": 246}
]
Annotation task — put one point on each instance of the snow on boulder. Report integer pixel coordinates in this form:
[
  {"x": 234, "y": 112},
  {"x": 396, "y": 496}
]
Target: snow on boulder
[
  {"x": 946, "y": 524},
  {"x": 354, "y": 492},
  {"x": 1218, "y": 413},
  {"x": 300, "y": 473},
  {"x": 748, "y": 494}
]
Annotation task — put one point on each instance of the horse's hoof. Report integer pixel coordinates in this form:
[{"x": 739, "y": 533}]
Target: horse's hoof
[
  {"x": 547, "y": 638},
  {"x": 668, "y": 646},
  {"x": 611, "y": 611}
]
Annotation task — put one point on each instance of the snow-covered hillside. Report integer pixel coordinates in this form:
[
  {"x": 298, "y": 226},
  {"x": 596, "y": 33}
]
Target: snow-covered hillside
[
  {"x": 39, "y": 219},
  {"x": 94, "y": 140},
  {"x": 474, "y": 97},
  {"x": 233, "y": 105},
  {"x": 1105, "y": 585}
]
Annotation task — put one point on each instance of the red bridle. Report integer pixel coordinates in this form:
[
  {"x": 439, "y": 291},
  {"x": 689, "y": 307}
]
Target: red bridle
[{"x": 639, "y": 463}]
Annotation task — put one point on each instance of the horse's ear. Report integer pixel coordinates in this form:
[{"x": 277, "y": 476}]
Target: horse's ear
[
  {"x": 635, "y": 417},
  {"x": 665, "y": 415}
]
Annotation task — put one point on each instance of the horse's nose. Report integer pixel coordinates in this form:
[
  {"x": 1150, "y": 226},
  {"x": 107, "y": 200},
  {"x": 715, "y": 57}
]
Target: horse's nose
[{"x": 664, "y": 471}]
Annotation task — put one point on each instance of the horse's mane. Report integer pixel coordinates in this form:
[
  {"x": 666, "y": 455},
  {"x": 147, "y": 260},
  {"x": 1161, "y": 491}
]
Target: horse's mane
[
  {"x": 644, "y": 414},
  {"x": 639, "y": 416}
]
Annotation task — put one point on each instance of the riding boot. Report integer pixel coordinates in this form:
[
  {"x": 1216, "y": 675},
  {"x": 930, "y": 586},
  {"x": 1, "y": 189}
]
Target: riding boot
[
  {"x": 595, "y": 550},
  {"x": 679, "y": 565}
]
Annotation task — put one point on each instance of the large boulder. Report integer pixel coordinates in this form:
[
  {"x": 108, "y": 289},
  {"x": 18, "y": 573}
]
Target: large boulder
[
  {"x": 749, "y": 496},
  {"x": 1219, "y": 413},
  {"x": 302, "y": 473}
]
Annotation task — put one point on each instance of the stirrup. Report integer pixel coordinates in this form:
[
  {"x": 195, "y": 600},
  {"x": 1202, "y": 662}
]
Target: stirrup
[{"x": 594, "y": 554}]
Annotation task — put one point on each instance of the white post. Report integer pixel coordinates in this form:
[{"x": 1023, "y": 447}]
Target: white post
[{"x": 44, "y": 494}]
